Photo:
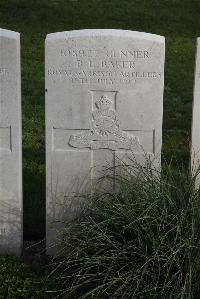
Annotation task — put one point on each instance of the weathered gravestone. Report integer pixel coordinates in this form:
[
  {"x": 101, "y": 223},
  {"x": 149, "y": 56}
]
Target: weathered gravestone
[
  {"x": 104, "y": 99},
  {"x": 195, "y": 145},
  {"x": 10, "y": 144}
]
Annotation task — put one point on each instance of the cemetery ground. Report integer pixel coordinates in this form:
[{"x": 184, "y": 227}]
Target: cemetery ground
[{"x": 177, "y": 20}]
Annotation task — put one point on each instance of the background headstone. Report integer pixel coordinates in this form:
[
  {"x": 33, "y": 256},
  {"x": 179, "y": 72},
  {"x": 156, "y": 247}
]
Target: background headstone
[
  {"x": 104, "y": 100},
  {"x": 195, "y": 145},
  {"x": 10, "y": 144}
]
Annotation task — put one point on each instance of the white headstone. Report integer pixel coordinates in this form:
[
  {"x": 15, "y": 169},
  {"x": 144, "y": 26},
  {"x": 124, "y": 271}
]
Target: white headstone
[
  {"x": 104, "y": 99},
  {"x": 195, "y": 145},
  {"x": 10, "y": 144}
]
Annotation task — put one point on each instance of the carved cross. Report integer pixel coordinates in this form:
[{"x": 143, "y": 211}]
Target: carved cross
[{"x": 105, "y": 140}]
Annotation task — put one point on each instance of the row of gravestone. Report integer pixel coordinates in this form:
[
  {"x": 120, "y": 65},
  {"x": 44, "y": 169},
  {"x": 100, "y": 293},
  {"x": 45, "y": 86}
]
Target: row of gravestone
[{"x": 104, "y": 102}]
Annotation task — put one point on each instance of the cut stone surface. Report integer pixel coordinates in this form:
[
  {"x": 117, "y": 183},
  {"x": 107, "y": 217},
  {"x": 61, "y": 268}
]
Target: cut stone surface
[
  {"x": 195, "y": 145},
  {"x": 11, "y": 231},
  {"x": 104, "y": 103}
]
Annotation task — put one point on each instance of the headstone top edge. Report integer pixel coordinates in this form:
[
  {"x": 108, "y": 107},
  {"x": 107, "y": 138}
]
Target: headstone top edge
[
  {"x": 105, "y": 32},
  {"x": 9, "y": 34}
]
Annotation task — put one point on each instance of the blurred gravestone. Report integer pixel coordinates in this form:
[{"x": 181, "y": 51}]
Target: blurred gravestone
[
  {"x": 10, "y": 144},
  {"x": 195, "y": 146},
  {"x": 104, "y": 101}
]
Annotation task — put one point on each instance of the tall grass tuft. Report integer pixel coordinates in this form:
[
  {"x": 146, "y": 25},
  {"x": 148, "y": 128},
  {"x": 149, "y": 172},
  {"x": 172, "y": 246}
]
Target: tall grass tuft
[{"x": 141, "y": 241}]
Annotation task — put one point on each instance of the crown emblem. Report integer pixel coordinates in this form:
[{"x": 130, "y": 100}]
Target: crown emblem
[{"x": 103, "y": 103}]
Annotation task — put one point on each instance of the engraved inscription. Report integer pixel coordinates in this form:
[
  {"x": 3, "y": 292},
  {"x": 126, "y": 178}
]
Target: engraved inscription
[
  {"x": 3, "y": 71},
  {"x": 136, "y": 54},
  {"x": 105, "y": 130},
  {"x": 105, "y": 66}
]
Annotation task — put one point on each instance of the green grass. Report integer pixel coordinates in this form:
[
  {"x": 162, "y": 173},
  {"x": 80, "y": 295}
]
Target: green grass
[
  {"x": 139, "y": 242},
  {"x": 18, "y": 281},
  {"x": 178, "y": 20}
]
